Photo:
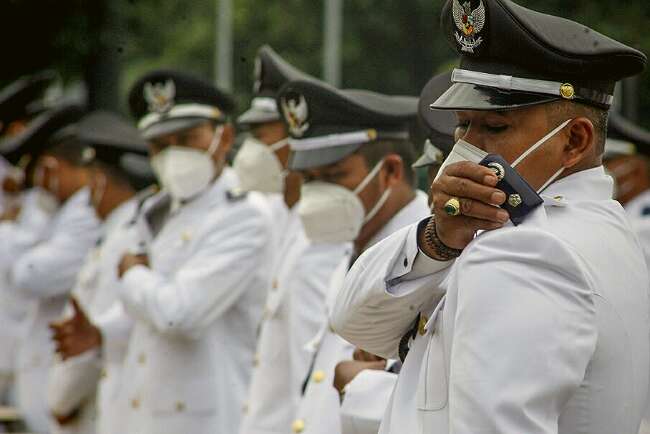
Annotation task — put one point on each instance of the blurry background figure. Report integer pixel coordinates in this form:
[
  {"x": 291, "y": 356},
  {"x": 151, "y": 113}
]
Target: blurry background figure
[
  {"x": 261, "y": 162},
  {"x": 295, "y": 305},
  {"x": 353, "y": 149},
  {"x": 626, "y": 159},
  {"x": 196, "y": 289},
  {"x": 92, "y": 337},
  {"x": 20, "y": 103},
  {"x": 46, "y": 272},
  {"x": 366, "y": 382},
  {"x": 25, "y": 211}
]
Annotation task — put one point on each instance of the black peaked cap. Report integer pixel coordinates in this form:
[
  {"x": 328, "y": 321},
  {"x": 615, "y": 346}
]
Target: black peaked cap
[
  {"x": 166, "y": 101},
  {"x": 271, "y": 73},
  {"x": 326, "y": 124},
  {"x": 37, "y": 137},
  {"x": 500, "y": 39},
  {"x": 21, "y": 98}
]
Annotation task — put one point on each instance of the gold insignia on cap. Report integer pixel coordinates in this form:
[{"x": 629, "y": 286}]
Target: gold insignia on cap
[
  {"x": 372, "y": 134},
  {"x": 160, "y": 96},
  {"x": 567, "y": 91},
  {"x": 514, "y": 200},
  {"x": 469, "y": 23},
  {"x": 296, "y": 111}
]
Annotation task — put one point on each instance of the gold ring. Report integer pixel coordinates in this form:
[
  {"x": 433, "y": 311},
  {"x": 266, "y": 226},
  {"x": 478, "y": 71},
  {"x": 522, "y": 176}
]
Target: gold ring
[{"x": 452, "y": 207}]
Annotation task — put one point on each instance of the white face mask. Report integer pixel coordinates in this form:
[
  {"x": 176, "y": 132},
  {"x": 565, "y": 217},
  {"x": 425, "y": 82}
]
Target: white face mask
[
  {"x": 331, "y": 213},
  {"x": 464, "y": 151},
  {"x": 258, "y": 168},
  {"x": 185, "y": 172}
]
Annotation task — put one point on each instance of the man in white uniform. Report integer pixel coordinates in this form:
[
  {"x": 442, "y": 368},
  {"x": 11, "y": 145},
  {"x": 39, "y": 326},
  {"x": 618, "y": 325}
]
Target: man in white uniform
[
  {"x": 295, "y": 305},
  {"x": 527, "y": 328},
  {"x": 88, "y": 351},
  {"x": 354, "y": 152},
  {"x": 23, "y": 215},
  {"x": 46, "y": 272},
  {"x": 196, "y": 289},
  {"x": 366, "y": 390}
]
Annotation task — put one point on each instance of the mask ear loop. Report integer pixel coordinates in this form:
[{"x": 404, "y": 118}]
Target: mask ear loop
[
  {"x": 279, "y": 144},
  {"x": 369, "y": 177},
  {"x": 384, "y": 197},
  {"x": 216, "y": 140},
  {"x": 540, "y": 142}
]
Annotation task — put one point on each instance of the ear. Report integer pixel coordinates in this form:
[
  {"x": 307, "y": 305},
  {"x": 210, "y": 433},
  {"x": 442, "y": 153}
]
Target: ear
[
  {"x": 581, "y": 141},
  {"x": 393, "y": 171},
  {"x": 227, "y": 138}
]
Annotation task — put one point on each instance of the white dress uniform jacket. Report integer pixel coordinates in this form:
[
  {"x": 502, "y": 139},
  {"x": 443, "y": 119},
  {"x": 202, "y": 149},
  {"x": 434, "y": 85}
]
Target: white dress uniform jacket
[
  {"x": 15, "y": 238},
  {"x": 319, "y": 409},
  {"x": 543, "y": 328},
  {"x": 295, "y": 311},
  {"x": 46, "y": 273},
  {"x": 75, "y": 383},
  {"x": 197, "y": 309}
]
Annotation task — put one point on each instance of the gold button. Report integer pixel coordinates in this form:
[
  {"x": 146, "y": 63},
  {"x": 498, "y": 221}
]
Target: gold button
[
  {"x": 256, "y": 359},
  {"x": 275, "y": 284},
  {"x": 135, "y": 403},
  {"x": 567, "y": 91},
  {"x": 142, "y": 359},
  {"x": 103, "y": 373},
  {"x": 180, "y": 406},
  {"x": 298, "y": 426},
  {"x": 244, "y": 409},
  {"x": 422, "y": 325},
  {"x": 318, "y": 376},
  {"x": 186, "y": 236}
]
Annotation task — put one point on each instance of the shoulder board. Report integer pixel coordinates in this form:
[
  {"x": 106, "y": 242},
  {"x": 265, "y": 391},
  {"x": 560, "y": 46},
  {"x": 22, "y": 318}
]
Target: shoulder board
[{"x": 235, "y": 194}]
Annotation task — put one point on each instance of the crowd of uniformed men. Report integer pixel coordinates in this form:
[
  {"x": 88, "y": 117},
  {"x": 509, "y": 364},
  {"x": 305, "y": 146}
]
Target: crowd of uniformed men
[{"x": 150, "y": 285}]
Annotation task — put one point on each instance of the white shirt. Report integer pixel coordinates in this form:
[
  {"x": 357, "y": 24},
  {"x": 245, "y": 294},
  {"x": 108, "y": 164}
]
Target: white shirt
[
  {"x": 75, "y": 383},
  {"x": 295, "y": 311},
  {"x": 196, "y": 311},
  {"x": 319, "y": 409},
  {"x": 543, "y": 329},
  {"x": 46, "y": 274}
]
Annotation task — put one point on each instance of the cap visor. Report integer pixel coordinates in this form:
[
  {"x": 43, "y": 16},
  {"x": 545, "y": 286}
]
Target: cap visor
[
  {"x": 301, "y": 160},
  {"x": 257, "y": 116},
  {"x": 169, "y": 126},
  {"x": 466, "y": 96}
]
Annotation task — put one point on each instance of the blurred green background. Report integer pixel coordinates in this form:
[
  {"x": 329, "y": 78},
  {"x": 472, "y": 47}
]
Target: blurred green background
[{"x": 391, "y": 46}]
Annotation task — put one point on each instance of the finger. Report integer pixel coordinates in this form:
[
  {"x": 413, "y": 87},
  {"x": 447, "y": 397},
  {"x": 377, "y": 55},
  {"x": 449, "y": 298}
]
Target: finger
[
  {"x": 475, "y": 172},
  {"x": 464, "y": 187},
  {"x": 78, "y": 311},
  {"x": 472, "y": 208}
]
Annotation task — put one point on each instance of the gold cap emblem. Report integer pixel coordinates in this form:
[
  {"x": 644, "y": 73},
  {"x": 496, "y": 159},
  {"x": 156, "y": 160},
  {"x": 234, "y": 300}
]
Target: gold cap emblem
[{"x": 567, "y": 91}]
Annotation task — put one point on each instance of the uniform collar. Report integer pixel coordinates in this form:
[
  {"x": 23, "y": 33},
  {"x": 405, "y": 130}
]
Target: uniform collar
[{"x": 590, "y": 184}]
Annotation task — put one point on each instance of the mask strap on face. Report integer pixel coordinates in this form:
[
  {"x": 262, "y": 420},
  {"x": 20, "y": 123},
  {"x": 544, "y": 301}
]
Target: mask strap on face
[
  {"x": 375, "y": 209},
  {"x": 279, "y": 144},
  {"x": 216, "y": 140},
  {"x": 369, "y": 177},
  {"x": 540, "y": 142},
  {"x": 550, "y": 180}
]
